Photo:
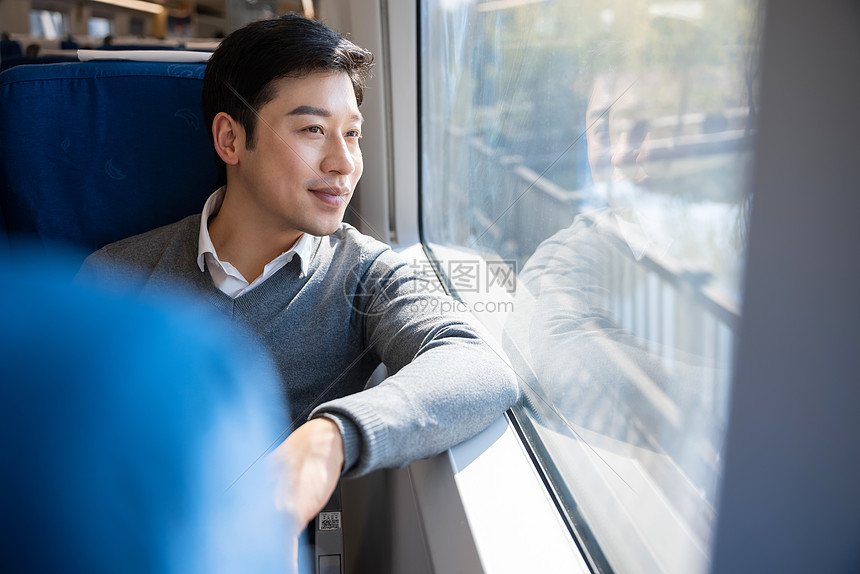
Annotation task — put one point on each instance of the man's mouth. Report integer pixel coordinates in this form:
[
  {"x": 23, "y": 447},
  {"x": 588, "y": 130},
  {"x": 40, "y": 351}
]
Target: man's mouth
[{"x": 331, "y": 195}]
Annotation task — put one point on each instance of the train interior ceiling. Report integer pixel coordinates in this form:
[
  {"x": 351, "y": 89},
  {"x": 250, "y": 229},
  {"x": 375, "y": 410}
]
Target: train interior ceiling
[
  {"x": 190, "y": 24},
  {"x": 651, "y": 207}
]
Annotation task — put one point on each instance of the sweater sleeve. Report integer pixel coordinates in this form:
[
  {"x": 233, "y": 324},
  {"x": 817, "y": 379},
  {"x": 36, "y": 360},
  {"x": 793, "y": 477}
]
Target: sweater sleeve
[{"x": 447, "y": 381}]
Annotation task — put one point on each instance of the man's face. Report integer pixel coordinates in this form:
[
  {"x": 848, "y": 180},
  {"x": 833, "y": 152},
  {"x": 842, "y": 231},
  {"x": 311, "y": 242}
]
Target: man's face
[
  {"x": 617, "y": 142},
  {"x": 306, "y": 160}
]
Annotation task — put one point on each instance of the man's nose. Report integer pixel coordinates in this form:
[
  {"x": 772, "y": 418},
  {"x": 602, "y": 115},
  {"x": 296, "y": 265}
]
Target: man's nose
[{"x": 338, "y": 157}]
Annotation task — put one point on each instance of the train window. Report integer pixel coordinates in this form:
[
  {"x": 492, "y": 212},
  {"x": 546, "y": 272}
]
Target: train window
[
  {"x": 47, "y": 24},
  {"x": 98, "y": 26},
  {"x": 592, "y": 158}
]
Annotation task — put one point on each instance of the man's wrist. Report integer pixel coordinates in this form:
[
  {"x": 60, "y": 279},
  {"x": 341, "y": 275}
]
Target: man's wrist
[{"x": 350, "y": 438}]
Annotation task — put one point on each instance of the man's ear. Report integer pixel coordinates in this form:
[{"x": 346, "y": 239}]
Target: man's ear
[{"x": 229, "y": 138}]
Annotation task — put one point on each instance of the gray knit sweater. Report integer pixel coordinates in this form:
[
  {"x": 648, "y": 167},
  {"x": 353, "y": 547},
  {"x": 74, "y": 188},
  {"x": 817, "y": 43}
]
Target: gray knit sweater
[{"x": 359, "y": 304}]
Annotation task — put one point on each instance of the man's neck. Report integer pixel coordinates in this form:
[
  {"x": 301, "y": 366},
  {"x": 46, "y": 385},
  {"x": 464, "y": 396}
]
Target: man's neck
[{"x": 241, "y": 240}]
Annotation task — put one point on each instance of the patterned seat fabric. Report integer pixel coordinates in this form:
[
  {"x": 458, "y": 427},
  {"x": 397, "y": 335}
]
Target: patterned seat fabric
[{"x": 94, "y": 152}]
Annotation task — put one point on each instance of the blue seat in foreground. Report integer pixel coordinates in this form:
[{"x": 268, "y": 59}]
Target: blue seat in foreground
[
  {"x": 93, "y": 152},
  {"x": 131, "y": 432}
]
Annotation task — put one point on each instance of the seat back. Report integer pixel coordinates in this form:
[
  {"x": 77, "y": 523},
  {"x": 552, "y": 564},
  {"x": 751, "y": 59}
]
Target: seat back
[
  {"x": 10, "y": 48},
  {"x": 13, "y": 61},
  {"x": 94, "y": 152}
]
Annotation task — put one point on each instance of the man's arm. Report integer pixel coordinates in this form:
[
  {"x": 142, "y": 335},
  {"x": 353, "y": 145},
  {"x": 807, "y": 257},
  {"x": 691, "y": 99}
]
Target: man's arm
[{"x": 447, "y": 382}]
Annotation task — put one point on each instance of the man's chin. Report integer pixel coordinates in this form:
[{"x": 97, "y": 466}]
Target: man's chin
[{"x": 321, "y": 229}]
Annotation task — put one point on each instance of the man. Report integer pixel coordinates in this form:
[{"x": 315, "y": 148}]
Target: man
[{"x": 282, "y": 98}]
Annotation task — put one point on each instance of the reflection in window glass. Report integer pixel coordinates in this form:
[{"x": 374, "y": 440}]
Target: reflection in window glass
[{"x": 601, "y": 150}]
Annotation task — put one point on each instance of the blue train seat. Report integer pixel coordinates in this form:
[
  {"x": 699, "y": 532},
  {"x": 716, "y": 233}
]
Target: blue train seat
[
  {"x": 124, "y": 428},
  {"x": 13, "y": 61},
  {"x": 10, "y": 48},
  {"x": 93, "y": 152}
]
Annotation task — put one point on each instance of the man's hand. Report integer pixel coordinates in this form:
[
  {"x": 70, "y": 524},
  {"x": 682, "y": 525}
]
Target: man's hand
[{"x": 311, "y": 459}]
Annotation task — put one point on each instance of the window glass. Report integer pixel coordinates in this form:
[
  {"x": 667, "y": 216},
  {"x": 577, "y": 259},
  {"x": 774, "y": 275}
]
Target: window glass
[
  {"x": 99, "y": 27},
  {"x": 599, "y": 153},
  {"x": 47, "y": 24}
]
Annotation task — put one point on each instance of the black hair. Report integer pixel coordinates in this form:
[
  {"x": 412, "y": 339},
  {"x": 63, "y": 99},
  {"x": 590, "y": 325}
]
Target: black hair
[{"x": 251, "y": 59}]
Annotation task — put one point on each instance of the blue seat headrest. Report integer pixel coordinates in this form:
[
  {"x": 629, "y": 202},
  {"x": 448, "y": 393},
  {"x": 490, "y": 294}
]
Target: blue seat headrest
[
  {"x": 94, "y": 152},
  {"x": 13, "y": 61},
  {"x": 10, "y": 48}
]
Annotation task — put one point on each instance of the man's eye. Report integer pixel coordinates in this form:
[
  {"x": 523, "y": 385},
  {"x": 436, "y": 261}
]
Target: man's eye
[
  {"x": 353, "y": 134},
  {"x": 314, "y": 129}
]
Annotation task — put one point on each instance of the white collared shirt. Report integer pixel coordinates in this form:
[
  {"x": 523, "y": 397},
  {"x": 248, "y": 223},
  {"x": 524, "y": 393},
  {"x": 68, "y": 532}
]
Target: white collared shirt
[{"x": 226, "y": 277}]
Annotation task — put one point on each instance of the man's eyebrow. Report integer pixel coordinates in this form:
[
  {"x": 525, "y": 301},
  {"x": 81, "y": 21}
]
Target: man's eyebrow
[{"x": 321, "y": 112}]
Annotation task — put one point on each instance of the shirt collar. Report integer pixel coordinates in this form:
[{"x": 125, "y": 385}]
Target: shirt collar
[
  {"x": 302, "y": 248},
  {"x": 204, "y": 242}
]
